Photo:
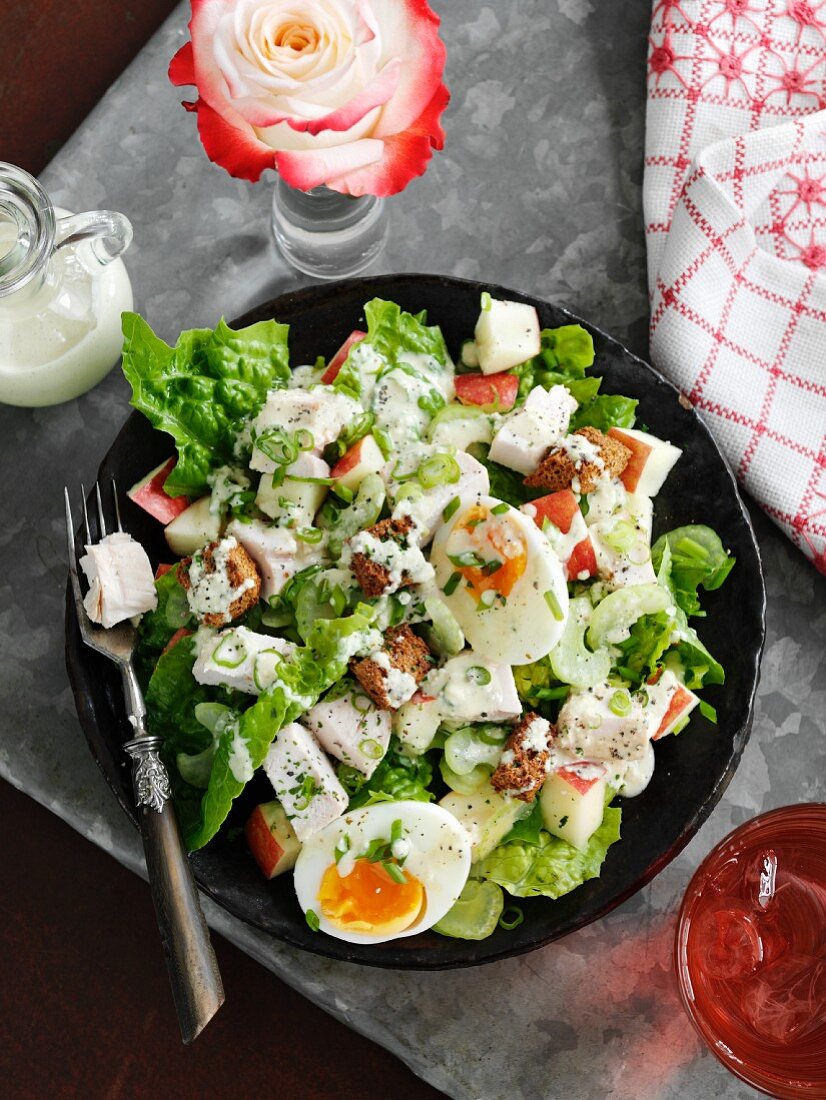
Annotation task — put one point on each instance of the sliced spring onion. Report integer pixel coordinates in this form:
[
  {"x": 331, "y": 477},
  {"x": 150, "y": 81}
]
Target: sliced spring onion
[
  {"x": 395, "y": 872},
  {"x": 371, "y": 748},
  {"x": 511, "y": 918},
  {"x": 487, "y": 599},
  {"x": 383, "y": 439},
  {"x": 312, "y": 920},
  {"x": 409, "y": 491},
  {"x": 342, "y": 492},
  {"x": 620, "y": 703},
  {"x": 310, "y": 535},
  {"x": 396, "y": 830},
  {"x": 499, "y": 509},
  {"x": 553, "y": 604},
  {"x": 468, "y": 559},
  {"x": 478, "y": 674},
  {"x": 342, "y": 847},
  {"x": 450, "y": 509},
  {"x": 452, "y": 584},
  {"x": 486, "y": 301},
  {"x": 439, "y": 469},
  {"x": 708, "y": 711},
  {"x": 230, "y": 652}
]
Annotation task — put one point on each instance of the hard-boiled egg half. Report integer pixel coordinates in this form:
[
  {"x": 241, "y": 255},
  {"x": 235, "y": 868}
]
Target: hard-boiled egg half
[
  {"x": 383, "y": 872},
  {"x": 501, "y": 579}
]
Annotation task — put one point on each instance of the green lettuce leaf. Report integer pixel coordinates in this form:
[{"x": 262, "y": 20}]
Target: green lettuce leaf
[
  {"x": 204, "y": 390},
  {"x": 642, "y": 651},
  {"x": 607, "y": 410},
  {"x": 157, "y": 627},
  {"x": 397, "y": 778},
  {"x": 565, "y": 355},
  {"x": 302, "y": 678},
  {"x": 537, "y": 683},
  {"x": 691, "y": 658},
  {"x": 171, "y": 697},
  {"x": 392, "y": 331},
  {"x": 697, "y": 557},
  {"x": 552, "y": 867}
]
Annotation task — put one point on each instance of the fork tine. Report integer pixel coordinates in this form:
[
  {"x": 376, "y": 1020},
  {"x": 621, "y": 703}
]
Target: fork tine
[
  {"x": 70, "y": 532},
  {"x": 117, "y": 506},
  {"x": 101, "y": 520},
  {"x": 85, "y": 515}
]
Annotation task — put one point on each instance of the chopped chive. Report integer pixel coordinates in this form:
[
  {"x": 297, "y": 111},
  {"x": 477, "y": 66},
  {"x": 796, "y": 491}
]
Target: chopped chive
[
  {"x": 452, "y": 582},
  {"x": 312, "y": 920},
  {"x": 395, "y": 872},
  {"x": 451, "y": 509},
  {"x": 467, "y": 559},
  {"x": 553, "y": 604}
]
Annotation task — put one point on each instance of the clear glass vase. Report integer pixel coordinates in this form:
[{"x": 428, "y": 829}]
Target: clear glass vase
[{"x": 326, "y": 234}]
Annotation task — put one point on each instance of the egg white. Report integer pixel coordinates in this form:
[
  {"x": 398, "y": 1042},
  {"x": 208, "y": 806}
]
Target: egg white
[
  {"x": 525, "y": 628},
  {"x": 439, "y": 858}
]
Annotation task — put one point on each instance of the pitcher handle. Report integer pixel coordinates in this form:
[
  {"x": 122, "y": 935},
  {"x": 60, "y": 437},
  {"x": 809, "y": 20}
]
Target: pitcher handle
[{"x": 107, "y": 233}]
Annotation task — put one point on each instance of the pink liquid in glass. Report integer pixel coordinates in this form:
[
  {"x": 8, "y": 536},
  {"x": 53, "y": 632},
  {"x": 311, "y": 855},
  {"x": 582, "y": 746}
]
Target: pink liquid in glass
[{"x": 751, "y": 951}]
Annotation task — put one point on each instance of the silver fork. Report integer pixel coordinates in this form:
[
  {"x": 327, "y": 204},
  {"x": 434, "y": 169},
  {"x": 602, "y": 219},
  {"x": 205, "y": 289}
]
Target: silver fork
[{"x": 193, "y": 969}]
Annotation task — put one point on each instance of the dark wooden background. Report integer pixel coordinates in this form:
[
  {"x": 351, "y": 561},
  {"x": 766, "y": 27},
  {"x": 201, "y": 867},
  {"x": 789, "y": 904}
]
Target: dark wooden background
[{"x": 85, "y": 1010}]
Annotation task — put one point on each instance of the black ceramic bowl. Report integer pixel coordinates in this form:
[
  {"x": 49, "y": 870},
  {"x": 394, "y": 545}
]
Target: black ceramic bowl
[{"x": 692, "y": 770}]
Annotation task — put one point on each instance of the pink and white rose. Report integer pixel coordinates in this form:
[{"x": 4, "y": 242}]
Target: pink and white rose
[{"x": 347, "y": 93}]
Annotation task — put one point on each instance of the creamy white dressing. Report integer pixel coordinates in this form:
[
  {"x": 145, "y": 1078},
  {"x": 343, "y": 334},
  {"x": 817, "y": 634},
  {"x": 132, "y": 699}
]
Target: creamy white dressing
[
  {"x": 399, "y": 686},
  {"x": 535, "y": 737},
  {"x": 606, "y": 501},
  {"x": 404, "y": 561},
  {"x": 225, "y": 482},
  {"x": 212, "y": 593},
  {"x": 239, "y": 759},
  {"x": 592, "y": 731}
]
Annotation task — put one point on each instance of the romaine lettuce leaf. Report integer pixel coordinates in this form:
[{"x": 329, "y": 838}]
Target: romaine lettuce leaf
[
  {"x": 697, "y": 557},
  {"x": 398, "y": 777},
  {"x": 204, "y": 390},
  {"x": 302, "y": 678},
  {"x": 606, "y": 410},
  {"x": 391, "y": 332},
  {"x": 552, "y": 867},
  {"x": 171, "y": 614}
]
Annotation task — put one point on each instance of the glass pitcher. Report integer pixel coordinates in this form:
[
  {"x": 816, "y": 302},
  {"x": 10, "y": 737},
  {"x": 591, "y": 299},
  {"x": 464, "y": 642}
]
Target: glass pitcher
[{"x": 63, "y": 288}]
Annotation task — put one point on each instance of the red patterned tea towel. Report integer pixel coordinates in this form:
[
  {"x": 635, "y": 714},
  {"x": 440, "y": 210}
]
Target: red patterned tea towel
[{"x": 735, "y": 210}]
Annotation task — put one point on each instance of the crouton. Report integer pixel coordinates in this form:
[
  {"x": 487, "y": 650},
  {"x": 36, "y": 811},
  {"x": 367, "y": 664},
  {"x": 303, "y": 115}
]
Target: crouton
[
  {"x": 209, "y": 601},
  {"x": 391, "y": 676},
  {"x": 524, "y": 763},
  {"x": 374, "y": 577},
  {"x": 560, "y": 465}
]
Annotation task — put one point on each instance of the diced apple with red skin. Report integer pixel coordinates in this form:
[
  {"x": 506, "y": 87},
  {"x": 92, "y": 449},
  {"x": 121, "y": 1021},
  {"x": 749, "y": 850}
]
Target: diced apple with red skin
[
  {"x": 669, "y": 702},
  {"x": 650, "y": 463},
  {"x": 363, "y": 458},
  {"x": 562, "y": 510},
  {"x": 193, "y": 528},
  {"x": 416, "y": 721},
  {"x": 149, "y": 494},
  {"x": 573, "y": 801},
  {"x": 487, "y": 391},
  {"x": 271, "y": 839},
  {"x": 338, "y": 360}
]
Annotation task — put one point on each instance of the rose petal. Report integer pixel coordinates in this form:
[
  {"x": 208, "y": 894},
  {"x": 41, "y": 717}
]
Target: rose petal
[
  {"x": 308, "y": 168},
  {"x": 182, "y": 66},
  {"x": 405, "y": 155},
  {"x": 236, "y": 149},
  {"x": 376, "y": 94},
  {"x": 410, "y": 30}
]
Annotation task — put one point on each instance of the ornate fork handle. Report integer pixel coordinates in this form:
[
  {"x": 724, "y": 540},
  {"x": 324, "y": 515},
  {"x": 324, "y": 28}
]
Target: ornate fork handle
[{"x": 193, "y": 970}]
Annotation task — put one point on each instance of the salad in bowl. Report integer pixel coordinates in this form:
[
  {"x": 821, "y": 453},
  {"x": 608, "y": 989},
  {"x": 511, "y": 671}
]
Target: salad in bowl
[{"x": 421, "y": 597}]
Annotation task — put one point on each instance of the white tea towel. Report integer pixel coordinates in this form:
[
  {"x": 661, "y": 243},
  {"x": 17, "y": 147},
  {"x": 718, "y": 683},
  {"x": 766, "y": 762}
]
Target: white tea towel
[{"x": 735, "y": 211}]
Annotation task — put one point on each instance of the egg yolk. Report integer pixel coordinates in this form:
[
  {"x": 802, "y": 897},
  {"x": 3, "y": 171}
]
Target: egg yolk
[
  {"x": 510, "y": 548},
  {"x": 369, "y": 900}
]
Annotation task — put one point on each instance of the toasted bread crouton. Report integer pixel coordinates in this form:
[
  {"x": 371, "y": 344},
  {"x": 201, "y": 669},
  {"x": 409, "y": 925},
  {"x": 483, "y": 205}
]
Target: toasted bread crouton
[
  {"x": 391, "y": 677},
  {"x": 524, "y": 763},
  {"x": 241, "y": 572},
  {"x": 374, "y": 577},
  {"x": 560, "y": 466}
]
